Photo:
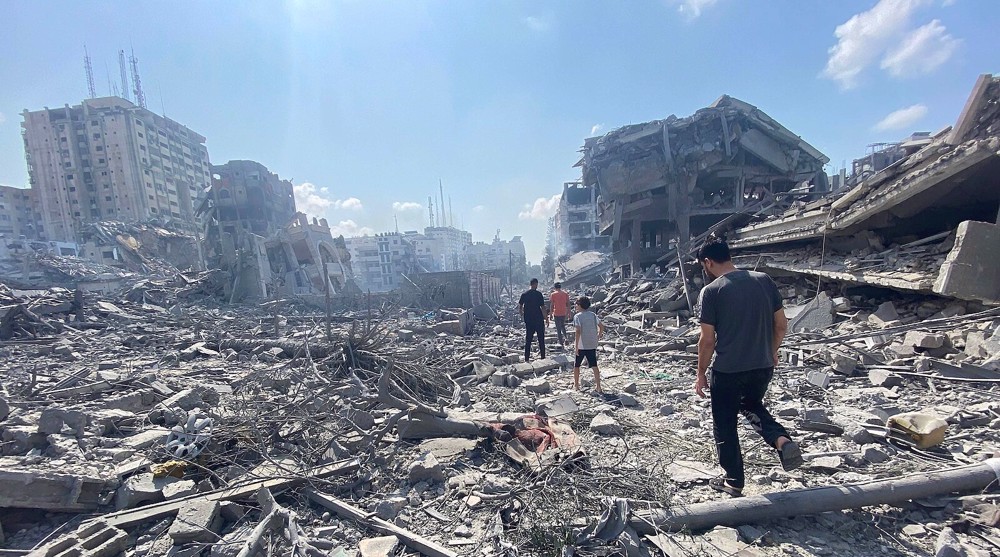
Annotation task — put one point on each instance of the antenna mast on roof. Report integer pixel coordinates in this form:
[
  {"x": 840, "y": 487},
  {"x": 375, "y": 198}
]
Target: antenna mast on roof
[
  {"x": 441, "y": 215},
  {"x": 430, "y": 209},
  {"x": 90, "y": 73},
  {"x": 451, "y": 216},
  {"x": 122, "y": 67},
  {"x": 140, "y": 98},
  {"x": 396, "y": 218}
]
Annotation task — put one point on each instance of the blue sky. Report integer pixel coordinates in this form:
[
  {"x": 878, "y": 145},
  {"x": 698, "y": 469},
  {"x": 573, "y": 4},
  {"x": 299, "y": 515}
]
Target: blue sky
[{"x": 366, "y": 105}]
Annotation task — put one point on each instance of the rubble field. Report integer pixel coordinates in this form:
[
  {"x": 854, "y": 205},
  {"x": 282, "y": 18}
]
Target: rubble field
[{"x": 156, "y": 422}]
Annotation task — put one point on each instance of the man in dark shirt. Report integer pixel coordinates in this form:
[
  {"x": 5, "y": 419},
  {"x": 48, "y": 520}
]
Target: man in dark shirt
[
  {"x": 532, "y": 306},
  {"x": 742, "y": 323}
]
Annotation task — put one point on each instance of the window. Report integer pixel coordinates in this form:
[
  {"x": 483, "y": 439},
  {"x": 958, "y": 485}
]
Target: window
[
  {"x": 140, "y": 134},
  {"x": 105, "y": 173},
  {"x": 99, "y": 148},
  {"x": 63, "y": 140},
  {"x": 107, "y": 198},
  {"x": 101, "y": 161},
  {"x": 94, "y": 123},
  {"x": 108, "y": 254},
  {"x": 69, "y": 176},
  {"x": 97, "y": 136}
]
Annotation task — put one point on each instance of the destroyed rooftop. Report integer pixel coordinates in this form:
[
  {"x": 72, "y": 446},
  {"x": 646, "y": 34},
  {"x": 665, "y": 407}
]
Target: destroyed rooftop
[{"x": 144, "y": 412}]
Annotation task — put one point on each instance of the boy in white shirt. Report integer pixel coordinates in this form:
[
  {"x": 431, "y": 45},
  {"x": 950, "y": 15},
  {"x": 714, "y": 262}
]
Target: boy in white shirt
[{"x": 588, "y": 328}]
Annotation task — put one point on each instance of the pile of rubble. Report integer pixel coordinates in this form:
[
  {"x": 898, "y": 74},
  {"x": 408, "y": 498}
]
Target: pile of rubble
[{"x": 189, "y": 427}]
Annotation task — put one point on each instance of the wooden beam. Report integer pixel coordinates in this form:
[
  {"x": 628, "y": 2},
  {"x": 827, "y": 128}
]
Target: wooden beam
[{"x": 350, "y": 512}]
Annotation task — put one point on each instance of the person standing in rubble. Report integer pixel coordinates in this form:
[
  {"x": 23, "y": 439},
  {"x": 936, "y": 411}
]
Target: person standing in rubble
[
  {"x": 587, "y": 328},
  {"x": 742, "y": 324},
  {"x": 532, "y": 307},
  {"x": 559, "y": 310}
]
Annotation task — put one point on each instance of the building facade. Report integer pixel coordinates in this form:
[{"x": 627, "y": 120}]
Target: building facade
[
  {"x": 380, "y": 261},
  {"x": 246, "y": 194},
  {"x": 19, "y": 214},
  {"x": 508, "y": 256},
  {"x": 451, "y": 245},
  {"x": 108, "y": 159},
  {"x": 576, "y": 226}
]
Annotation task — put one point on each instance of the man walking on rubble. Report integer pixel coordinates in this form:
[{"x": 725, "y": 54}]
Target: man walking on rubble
[
  {"x": 559, "y": 310},
  {"x": 742, "y": 323},
  {"x": 532, "y": 307}
]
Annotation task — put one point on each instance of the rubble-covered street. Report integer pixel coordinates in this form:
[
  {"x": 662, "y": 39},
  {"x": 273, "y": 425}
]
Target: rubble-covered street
[{"x": 235, "y": 378}]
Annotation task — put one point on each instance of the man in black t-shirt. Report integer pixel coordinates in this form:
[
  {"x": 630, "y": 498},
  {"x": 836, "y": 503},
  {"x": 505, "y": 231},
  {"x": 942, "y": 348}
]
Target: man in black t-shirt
[
  {"x": 532, "y": 306},
  {"x": 742, "y": 324}
]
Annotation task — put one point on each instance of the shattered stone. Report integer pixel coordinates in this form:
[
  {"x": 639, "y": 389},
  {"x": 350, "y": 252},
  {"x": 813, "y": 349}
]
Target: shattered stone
[
  {"x": 197, "y": 521},
  {"x": 874, "y": 454},
  {"x": 378, "y": 547},
  {"x": 604, "y": 424},
  {"x": 667, "y": 410},
  {"x": 538, "y": 386},
  {"x": 426, "y": 468},
  {"x": 818, "y": 378},
  {"x": 921, "y": 339},
  {"x": 885, "y": 315},
  {"x": 388, "y": 508}
]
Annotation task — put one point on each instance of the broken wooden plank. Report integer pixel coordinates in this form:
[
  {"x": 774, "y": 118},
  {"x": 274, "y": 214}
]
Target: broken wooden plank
[{"x": 410, "y": 539}]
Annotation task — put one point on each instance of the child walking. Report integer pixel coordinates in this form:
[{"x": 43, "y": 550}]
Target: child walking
[{"x": 588, "y": 328}]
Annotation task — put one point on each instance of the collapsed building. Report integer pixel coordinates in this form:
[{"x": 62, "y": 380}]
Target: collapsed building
[
  {"x": 253, "y": 234},
  {"x": 925, "y": 223},
  {"x": 665, "y": 180}
]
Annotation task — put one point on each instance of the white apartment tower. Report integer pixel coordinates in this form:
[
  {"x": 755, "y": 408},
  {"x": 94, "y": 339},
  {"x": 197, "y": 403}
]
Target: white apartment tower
[{"x": 108, "y": 159}]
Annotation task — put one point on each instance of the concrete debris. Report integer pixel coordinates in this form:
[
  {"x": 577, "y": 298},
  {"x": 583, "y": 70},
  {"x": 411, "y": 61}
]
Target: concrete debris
[{"x": 148, "y": 399}]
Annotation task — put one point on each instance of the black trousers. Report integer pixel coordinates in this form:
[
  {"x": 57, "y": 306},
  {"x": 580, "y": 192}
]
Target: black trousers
[
  {"x": 531, "y": 328},
  {"x": 734, "y": 394}
]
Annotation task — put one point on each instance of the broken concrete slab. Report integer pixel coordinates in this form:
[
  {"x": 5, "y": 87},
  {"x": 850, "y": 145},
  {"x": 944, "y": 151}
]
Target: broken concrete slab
[
  {"x": 817, "y": 314},
  {"x": 604, "y": 424},
  {"x": 427, "y": 468},
  {"x": 197, "y": 521},
  {"x": 384, "y": 546}
]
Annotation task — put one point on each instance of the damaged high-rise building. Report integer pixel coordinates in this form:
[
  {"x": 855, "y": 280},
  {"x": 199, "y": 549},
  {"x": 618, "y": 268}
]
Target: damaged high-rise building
[
  {"x": 253, "y": 233},
  {"x": 575, "y": 222},
  {"x": 668, "y": 180},
  {"x": 108, "y": 159}
]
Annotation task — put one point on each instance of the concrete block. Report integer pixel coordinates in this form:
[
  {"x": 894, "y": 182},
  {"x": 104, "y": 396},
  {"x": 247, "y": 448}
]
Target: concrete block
[
  {"x": 971, "y": 271},
  {"x": 818, "y": 378},
  {"x": 604, "y": 424},
  {"x": 51, "y": 421},
  {"x": 922, "y": 339},
  {"x": 842, "y": 363},
  {"x": 142, "y": 488},
  {"x": 378, "y": 547},
  {"x": 426, "y": 469},
  {"x": 816, "y": 315},
  {"x": 197, "y": 521},
  {"x": 388, "y": 508},
  {"x": 884, "y": 378},
  {"x": 885, "y": 315},
  {"x": 539, "y": 386},
  {"x": 513, "y": 381}
]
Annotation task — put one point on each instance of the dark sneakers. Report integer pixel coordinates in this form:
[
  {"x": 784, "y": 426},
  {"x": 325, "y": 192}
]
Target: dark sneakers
[{"x": 791, "y": 456}]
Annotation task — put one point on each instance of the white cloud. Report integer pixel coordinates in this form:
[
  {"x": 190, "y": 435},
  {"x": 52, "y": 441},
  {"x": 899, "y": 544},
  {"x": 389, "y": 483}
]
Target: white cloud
[
  {"x": 595, "y": 129},
  {"x": 921, "y": 52},
  {"x": 350, "y": 204},
  {"x": 864, "y": 37},
  {"x": 348, "y": 228},
  {"x": 310, "y": 199},
  {"x": 691, "y": 9},
  {"x": 3, "y": 118},
  {"x": 478, "y": 209},
  {"x": 902, "y": 119},
  {"x": 402, "y": 206},
  {"x": 541, "y": 209},
  {"x": 537, "y": 24}
]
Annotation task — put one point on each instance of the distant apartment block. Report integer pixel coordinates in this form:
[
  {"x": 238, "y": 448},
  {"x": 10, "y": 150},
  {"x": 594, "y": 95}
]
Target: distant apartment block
[
  {"x": 501, "y": 255},
  {"x": 108, "y": 159},
  {"x": 451, "y": 244},
  {"x": 19, "y": 215},
  {"x": 380, "y": 261}
]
